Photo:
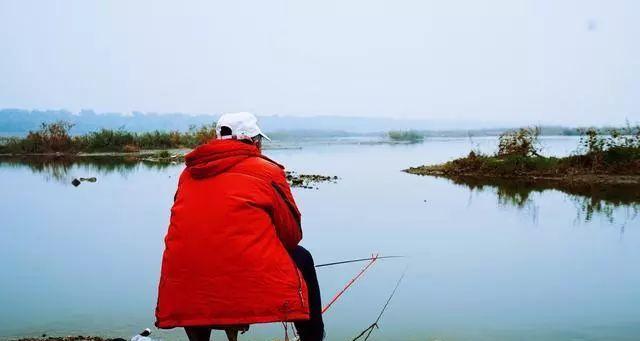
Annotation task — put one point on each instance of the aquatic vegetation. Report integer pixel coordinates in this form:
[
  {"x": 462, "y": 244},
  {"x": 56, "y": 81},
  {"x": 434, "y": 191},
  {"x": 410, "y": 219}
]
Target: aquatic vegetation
[
  {"x": 56, "y": 138},
  {"x": 50, "y": 138}
]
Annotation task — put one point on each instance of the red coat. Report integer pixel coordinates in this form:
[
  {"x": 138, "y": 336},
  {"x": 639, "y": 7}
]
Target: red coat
[{"x": 225, "y": 260}]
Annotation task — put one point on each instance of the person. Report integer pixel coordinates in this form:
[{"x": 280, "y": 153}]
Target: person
[{"x": 232, "y": 256}]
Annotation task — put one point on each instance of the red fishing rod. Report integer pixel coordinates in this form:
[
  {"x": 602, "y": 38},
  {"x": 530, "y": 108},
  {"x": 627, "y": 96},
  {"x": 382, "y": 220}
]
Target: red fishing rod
[
  {"x": 371, "y": 260},
  {"x": 374, "y": 258}
]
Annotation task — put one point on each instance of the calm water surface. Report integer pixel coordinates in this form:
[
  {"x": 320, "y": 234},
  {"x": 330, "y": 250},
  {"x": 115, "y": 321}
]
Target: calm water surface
[{"x": 86, "y": 260}]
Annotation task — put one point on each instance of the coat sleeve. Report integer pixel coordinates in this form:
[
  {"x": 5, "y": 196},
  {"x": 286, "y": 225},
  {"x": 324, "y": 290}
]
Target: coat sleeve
[{"x": 286, "y": 216}]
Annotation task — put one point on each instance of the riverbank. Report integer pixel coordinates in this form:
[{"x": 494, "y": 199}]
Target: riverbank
[
  {"x": 595, "y": 186},
  {"x": 568, "y": 171},
  {"x": 605, "y": 160}
]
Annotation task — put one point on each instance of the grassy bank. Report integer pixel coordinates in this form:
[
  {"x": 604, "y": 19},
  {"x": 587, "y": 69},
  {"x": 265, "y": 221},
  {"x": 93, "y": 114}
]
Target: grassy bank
[
  {"x": 56, "y": 138},
  {"x": 612, "y": 158}
]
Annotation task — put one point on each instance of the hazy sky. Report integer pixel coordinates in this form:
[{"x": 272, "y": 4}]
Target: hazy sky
[{"x": 554, "y": 61}]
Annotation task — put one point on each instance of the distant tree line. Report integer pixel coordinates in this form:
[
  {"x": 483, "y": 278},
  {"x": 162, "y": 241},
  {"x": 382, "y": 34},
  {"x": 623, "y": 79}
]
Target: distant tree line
[
  {"x": 18, "y": 122},
  {"x": 417, "y": 135}
]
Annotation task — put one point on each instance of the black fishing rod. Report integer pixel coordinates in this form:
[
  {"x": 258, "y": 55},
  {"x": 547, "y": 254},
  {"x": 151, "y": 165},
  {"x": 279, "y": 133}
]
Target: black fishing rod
[{"x": 356, "y": 260}]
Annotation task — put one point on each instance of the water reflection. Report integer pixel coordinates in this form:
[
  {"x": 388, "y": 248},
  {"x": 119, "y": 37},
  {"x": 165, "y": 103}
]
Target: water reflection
[
  {"x": 59, "y": 168},
  {"x": 480, "y": 272},
  {"x": 590, "y": 199}
]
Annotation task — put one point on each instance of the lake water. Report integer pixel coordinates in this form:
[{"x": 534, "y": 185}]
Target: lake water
[{"x": 85, "y": 260}]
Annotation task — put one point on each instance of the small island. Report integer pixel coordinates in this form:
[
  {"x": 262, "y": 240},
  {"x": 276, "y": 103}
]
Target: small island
[{"x": 604, "y": 160}]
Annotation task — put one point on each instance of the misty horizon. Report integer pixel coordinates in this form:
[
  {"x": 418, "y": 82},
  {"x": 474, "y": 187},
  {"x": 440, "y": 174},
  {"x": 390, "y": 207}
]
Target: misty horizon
[
  {"x": 503, "y": 62},
  {"x": 19, "y": 122}
]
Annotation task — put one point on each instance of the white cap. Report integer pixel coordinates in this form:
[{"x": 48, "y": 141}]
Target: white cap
[{"x": 243, "y": 125}]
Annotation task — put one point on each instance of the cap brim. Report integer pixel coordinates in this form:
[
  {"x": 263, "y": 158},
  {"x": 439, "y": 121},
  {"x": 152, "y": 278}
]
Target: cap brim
[{"x": 265, "y": 136}]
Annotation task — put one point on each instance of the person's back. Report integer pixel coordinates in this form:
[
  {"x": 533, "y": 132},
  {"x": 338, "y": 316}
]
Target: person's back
[
  {"x": 222, "y": 215},
  {"x": 234, "y": 230}
]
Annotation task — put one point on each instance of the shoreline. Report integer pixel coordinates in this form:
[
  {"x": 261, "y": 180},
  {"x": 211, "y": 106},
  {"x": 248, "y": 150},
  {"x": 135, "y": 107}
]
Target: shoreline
[
  {"x": 567, "y": 179},
  {"x": 140, "y": 153},
  {"x": 44, "y": 337},
  {"x": 614, "y": 189}
]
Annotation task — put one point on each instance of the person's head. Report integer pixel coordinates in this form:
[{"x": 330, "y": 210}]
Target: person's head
[{"x": 242, "y": 126}]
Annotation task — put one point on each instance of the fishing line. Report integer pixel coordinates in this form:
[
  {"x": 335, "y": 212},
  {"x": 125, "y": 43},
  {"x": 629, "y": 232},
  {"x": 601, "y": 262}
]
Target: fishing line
[
  {"x": 374, "y": 325},
  {"x": 355, "y": 260},
  {"x": 371, "y": 260}
]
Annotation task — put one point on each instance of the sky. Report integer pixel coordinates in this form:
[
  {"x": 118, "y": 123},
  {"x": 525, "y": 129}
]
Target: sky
[{"x": 514, "y": 61}]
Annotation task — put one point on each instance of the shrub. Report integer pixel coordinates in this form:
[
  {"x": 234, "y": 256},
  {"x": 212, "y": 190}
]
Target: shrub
[
  {"x": 130, "y": 148},
  {"x": 54, "y": 137},
  {"x": 205, "y": 134},
  {"x": 522, "y": 142},
  {"x": 618, "y": 147},
  {"x": 592, "y": 141},
  {"x": 106, "y": 140},
  {"x": 51, "y": 137},
  {"x": 163, "y": 154}
]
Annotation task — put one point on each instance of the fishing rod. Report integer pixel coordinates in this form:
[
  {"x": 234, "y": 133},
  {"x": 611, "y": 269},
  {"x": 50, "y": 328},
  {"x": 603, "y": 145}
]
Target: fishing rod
[
  {"x": 374, "y": 325},
  {"x": 339, "y": 293},
  {"x": 356, "y": 260},
  {"x": 371, "y": 260}
]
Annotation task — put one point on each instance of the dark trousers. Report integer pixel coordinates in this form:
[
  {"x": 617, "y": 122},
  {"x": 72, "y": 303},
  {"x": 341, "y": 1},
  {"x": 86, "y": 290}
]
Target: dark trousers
[
  {"x": 308, "y": 330},
  {"x": 312, "y": 329}
]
